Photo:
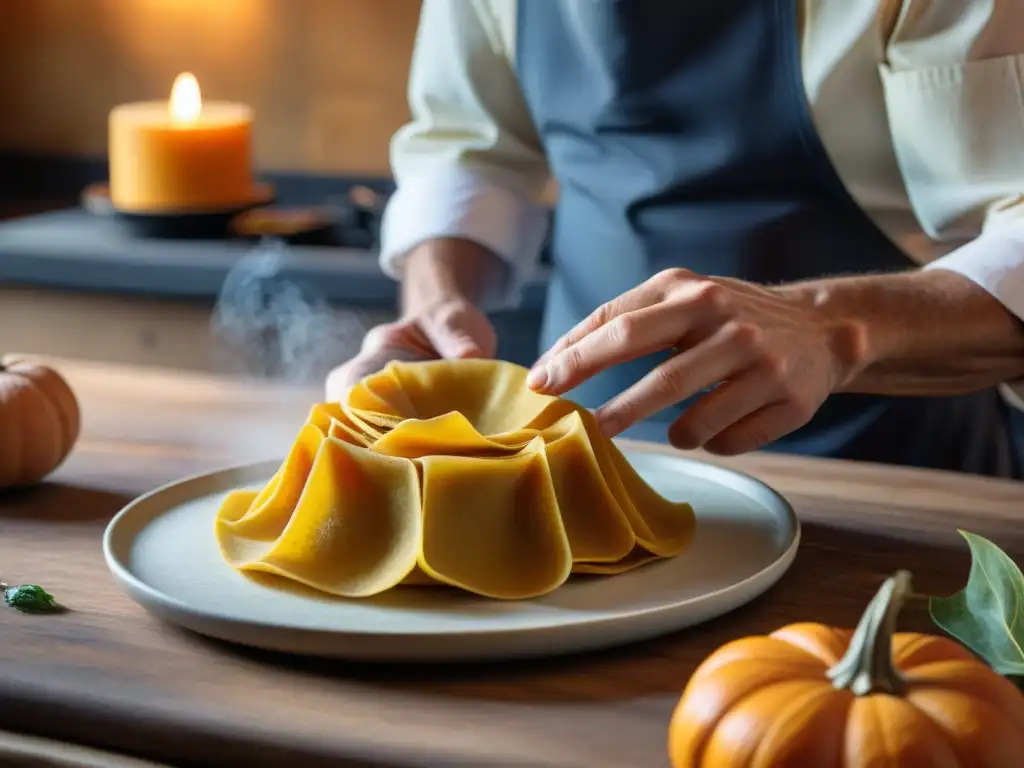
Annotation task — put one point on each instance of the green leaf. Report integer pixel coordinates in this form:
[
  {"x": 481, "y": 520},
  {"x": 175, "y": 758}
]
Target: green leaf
[
  {"x": 987, "y": 615},
  {"x": 31, "y": 598}
]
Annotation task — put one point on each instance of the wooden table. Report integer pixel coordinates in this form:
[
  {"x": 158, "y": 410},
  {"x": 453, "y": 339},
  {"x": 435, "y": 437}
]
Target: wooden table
[{"x": 110, "y": 676}]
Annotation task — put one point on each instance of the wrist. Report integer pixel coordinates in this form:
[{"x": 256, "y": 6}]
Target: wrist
[
  {"x": 919, "y": 332},
  {"x": 447, "y": 269},
  {"x": 855, "y": 339}
]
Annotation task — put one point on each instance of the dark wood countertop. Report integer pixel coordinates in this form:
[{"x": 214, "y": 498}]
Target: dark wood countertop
[{"x": 109, "y": 675}]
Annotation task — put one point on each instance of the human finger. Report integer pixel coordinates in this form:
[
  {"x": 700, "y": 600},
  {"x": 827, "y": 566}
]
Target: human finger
[
  {"x": 401, "y": 334},
  {"x": 636, "y": 298},
  {"x": 345, "y": 376},
  {"x": 722, "y": 407},
  {"x": 626, "y": 337},
  {"x": 760, "y": 428},
  {"x": 731, "y": 348},
  {"x": 628, "y": 332}
]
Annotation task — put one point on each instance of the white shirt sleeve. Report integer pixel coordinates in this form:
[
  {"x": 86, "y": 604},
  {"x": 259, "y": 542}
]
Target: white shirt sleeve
[
  {"x": 469, "y": 163},
  {"x": 995, "y": 261}
]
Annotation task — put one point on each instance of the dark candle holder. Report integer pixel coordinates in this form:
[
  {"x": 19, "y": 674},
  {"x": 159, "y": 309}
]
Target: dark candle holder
[
  {"x": 173, "y": 225},
  {"x": 352, "y": 220}
]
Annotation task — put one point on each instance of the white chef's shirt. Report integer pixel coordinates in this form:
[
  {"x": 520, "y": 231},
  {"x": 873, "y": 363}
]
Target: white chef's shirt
[{"x": 919, "y": 104}]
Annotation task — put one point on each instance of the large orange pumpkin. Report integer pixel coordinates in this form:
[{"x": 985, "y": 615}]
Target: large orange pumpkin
[
  {"x": 812, "y": 696},
  {"x": 39, "y": 421}
]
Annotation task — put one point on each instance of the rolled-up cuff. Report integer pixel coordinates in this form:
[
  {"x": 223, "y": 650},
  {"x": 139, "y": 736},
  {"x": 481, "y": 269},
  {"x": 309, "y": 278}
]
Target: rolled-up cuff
[
  {"x": 460, "y": 203},
  {"x": 995, "y": 262}
]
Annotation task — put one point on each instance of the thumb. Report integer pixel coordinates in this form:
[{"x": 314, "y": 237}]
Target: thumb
[{"x": 342, "y": 378}]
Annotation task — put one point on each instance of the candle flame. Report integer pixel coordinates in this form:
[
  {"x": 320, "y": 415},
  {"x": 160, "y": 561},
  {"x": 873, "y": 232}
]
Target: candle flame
[{"x": 186, "y": 99}]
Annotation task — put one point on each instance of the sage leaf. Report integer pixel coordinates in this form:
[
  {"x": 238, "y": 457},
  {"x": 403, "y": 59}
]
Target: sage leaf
[
  {"x": 31, "y": 598},
  {"x": 987, "y": 615}
]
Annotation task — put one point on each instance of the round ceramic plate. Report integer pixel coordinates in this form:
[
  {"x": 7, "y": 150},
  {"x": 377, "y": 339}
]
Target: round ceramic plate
[{"x": 161, "y": 549}]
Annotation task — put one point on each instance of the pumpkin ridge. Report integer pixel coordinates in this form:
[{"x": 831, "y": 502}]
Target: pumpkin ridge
[
  {"x": 932, "y": 675},
  {"x": 58, "y": 454},
  {"x": 928, "y": 649},
  {"x": 69, "y": 428},
  {"x": 879, "y": 727},
  {"x": 17, "y": 457},
  {"x": 23, "y": 376},
  {"x": 844, "y": 733},
  {"x": 752, "y": 758},
  {"x": 979, "y": 684},
  {"x": 712, "y": 725},
  {"x": 737, "y": 650},
  {"x": 27, "y": 459},
  {"x": 993, "y": 715},
  {"x": 817, "y": 697},
  {"x": 797, "y": 635},
  {"x": 954, "y": 744}
]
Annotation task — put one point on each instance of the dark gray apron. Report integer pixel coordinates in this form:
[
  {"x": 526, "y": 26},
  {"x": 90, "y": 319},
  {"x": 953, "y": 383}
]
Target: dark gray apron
[{"x": 680, "y": 136}]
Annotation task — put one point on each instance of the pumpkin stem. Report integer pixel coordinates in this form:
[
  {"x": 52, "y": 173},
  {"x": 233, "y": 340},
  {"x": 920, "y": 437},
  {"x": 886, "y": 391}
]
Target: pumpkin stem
[{"x": 867, "y": 665}]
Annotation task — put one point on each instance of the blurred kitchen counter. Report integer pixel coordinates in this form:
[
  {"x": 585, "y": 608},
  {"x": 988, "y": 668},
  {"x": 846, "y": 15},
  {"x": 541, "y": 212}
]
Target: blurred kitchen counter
[{"x": 75, "y": 284}]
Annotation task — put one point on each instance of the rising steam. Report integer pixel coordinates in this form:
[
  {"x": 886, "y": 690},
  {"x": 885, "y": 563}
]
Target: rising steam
[{"x": 267, "y": 326}]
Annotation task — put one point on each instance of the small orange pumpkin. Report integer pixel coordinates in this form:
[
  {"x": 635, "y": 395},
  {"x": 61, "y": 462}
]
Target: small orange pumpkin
[
  {"x": 39, "y": 421},
  {"x": 812, "y": 696}
]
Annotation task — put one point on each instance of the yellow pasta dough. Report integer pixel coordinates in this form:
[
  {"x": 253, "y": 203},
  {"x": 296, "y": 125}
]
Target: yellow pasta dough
[{"x": 454, "y": 473}]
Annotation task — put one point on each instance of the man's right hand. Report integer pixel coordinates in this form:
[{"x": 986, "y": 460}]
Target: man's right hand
[
  {"x": 451, "y": 328},
  {"x": 439, "y": 319}
]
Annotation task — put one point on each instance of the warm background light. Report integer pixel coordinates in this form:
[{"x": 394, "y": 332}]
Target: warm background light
[
  {"x": 186, "y": 99},
  {"x": 327, "y": 78}
]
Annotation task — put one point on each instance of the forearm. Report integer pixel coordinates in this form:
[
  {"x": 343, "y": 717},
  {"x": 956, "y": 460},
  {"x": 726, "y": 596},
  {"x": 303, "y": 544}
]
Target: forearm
[
  {"x": 469, "y": 168},
  {"x": 920, "y": 333},
  {"x": 445, "y": 268}
]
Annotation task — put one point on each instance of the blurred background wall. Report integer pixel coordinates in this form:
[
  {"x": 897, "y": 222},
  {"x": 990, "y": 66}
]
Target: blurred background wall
[{"x": 325, "y": 77}]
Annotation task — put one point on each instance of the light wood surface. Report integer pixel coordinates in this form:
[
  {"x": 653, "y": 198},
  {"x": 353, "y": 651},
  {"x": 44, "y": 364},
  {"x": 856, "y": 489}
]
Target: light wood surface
[
  {"x": 109, "y": 675},
  {"x": 327, "y": 78}
]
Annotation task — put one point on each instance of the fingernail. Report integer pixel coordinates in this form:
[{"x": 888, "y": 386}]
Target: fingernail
[{"x": 537, "y": 378}]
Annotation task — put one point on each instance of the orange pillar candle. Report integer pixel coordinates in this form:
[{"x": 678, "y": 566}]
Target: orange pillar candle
[{"x": 181, "y": 155}]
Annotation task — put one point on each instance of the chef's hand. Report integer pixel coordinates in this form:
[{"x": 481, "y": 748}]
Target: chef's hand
[
  {"x": 450, "y": 328},
  {"x": 770, "y": 354},
  {"x": 442, "y": 277}
]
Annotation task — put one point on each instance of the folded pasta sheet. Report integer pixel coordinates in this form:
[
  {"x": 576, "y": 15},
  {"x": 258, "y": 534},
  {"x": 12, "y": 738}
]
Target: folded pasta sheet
[{"x": 454, "y": 473}]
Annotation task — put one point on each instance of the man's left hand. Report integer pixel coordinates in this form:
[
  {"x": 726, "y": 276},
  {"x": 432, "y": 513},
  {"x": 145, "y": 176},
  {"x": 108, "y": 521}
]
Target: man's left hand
[{"x": 770, "y": 357}]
